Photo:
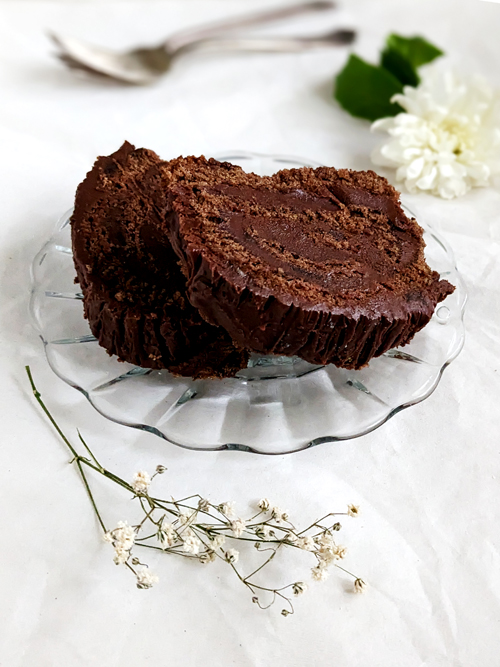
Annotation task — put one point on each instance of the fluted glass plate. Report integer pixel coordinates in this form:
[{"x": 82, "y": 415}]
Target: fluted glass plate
[{"x": 277, "y": 405}]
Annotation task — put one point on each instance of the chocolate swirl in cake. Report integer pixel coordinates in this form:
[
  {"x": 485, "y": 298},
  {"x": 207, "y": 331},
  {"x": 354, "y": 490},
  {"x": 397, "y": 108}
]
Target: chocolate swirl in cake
[
  {"x": 320, "y": 263},
  {"x": 192, "y": 264}
]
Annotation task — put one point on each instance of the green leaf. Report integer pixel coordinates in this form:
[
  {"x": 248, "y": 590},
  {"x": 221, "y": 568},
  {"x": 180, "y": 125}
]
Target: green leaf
[
  {"x": 365, "y": 90},
  {"x": 400, "y": 67},
  {"x": 403, "y": 56}
]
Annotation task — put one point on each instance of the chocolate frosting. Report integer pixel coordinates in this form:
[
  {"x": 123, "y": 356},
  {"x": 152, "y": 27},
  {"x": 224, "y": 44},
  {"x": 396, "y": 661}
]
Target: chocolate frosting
[
  {"x": 330, "y": 271},
  {"x": 190, "y": 265},
  {"x": 133, "y": 289}
]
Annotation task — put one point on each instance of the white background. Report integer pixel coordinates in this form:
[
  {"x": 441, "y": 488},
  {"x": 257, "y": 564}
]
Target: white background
[{"x": 428, "y": 481}]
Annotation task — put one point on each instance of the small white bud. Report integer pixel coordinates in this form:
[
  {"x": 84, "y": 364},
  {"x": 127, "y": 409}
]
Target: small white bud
[
  {"x": 299, "y": 587},
  {"x": 264, "y": 505},
  {"x": 203, "y": 504},
  {"x": 145, "y": 578},
  {"x": 232, "y": 556},
  {"x": 141, "y": 482},
  {"x": 360, "y": 586},
  {"x": 353, "y": 510}
]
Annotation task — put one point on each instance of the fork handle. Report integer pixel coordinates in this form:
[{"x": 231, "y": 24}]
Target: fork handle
[
  {"x": 185, "y": 37},
  {"x": 270, "y": 44}
]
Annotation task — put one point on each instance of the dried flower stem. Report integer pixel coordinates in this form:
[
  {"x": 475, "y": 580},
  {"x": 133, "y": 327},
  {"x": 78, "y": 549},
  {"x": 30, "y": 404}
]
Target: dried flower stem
[{"x": 178, "y": 528}]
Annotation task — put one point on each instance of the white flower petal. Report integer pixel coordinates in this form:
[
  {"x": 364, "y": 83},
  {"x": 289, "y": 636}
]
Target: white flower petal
[
  {"x": 428, "y": 180},
  {"x": 401, "y": 173},
  {"x": 145, "y": 578},
  {"x": 411, "y": 154},
  {"x": 232, "y": 555},
  {"x": 452, "y": 187},
  {"x": 392, "y": 152},
  {"x": 382, "y": 125},
  {"x": 238, "y": 526},
  {"x": 415, "y": 168},
  {"x": 411, "y": 186},
  {"x": 480, "y": 173},
  {"x": 449, "y": 138},
  {"x": 141, "y": 482}
]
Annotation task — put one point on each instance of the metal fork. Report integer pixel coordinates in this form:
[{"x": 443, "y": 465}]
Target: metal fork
[{"x": 145, "y": 65}]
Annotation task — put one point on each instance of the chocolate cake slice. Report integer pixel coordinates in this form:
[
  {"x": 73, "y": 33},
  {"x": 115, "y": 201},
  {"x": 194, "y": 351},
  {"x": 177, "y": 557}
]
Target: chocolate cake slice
[
  {"x": 319, "y": 263},
  {"x": 134, "y": 291}
]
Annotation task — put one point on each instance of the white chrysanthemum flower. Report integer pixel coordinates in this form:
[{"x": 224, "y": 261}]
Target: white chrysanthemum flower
[
  {"x": 360, "y": 586},
  {"x": 145, "y": 578},
  {"x": 141, "y": 482},
  {"x": 319, "y": 573},
  {"x": 238, "y": 526},
  {"x": 448, "y": 139},
  {"x": 232, "y": 555},
  {"x": 191, "y": 544},
  {"x": 306, "y": 543},
  {"x": 353, "y": 510},
  {"x": 217, "y": 542},
  {"x": 264, "y": 505}
]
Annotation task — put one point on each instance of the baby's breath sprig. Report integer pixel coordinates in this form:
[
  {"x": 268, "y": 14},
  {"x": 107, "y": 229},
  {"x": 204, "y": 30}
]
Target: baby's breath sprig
[{"x": 203, "y": 531}]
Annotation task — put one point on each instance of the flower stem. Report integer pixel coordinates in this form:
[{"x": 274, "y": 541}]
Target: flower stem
[
  {"x": 38, "y": 397},
  {"x": 263, "y": 564},
  {"x": 89, "y": 492},
  {"x": 76, "y": 457},
  {"x": 101, "y": 469},
  {"x": 205, "y": 532}
]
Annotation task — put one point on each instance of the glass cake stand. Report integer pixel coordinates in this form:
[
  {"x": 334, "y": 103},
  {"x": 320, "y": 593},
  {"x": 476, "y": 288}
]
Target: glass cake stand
[{"x": 277, "y": 405}]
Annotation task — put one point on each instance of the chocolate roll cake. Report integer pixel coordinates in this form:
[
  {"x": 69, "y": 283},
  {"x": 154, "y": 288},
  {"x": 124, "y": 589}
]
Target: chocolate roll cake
[
  {"x": 133, "y": 289},
  {"x": 318, "y": 263}
]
